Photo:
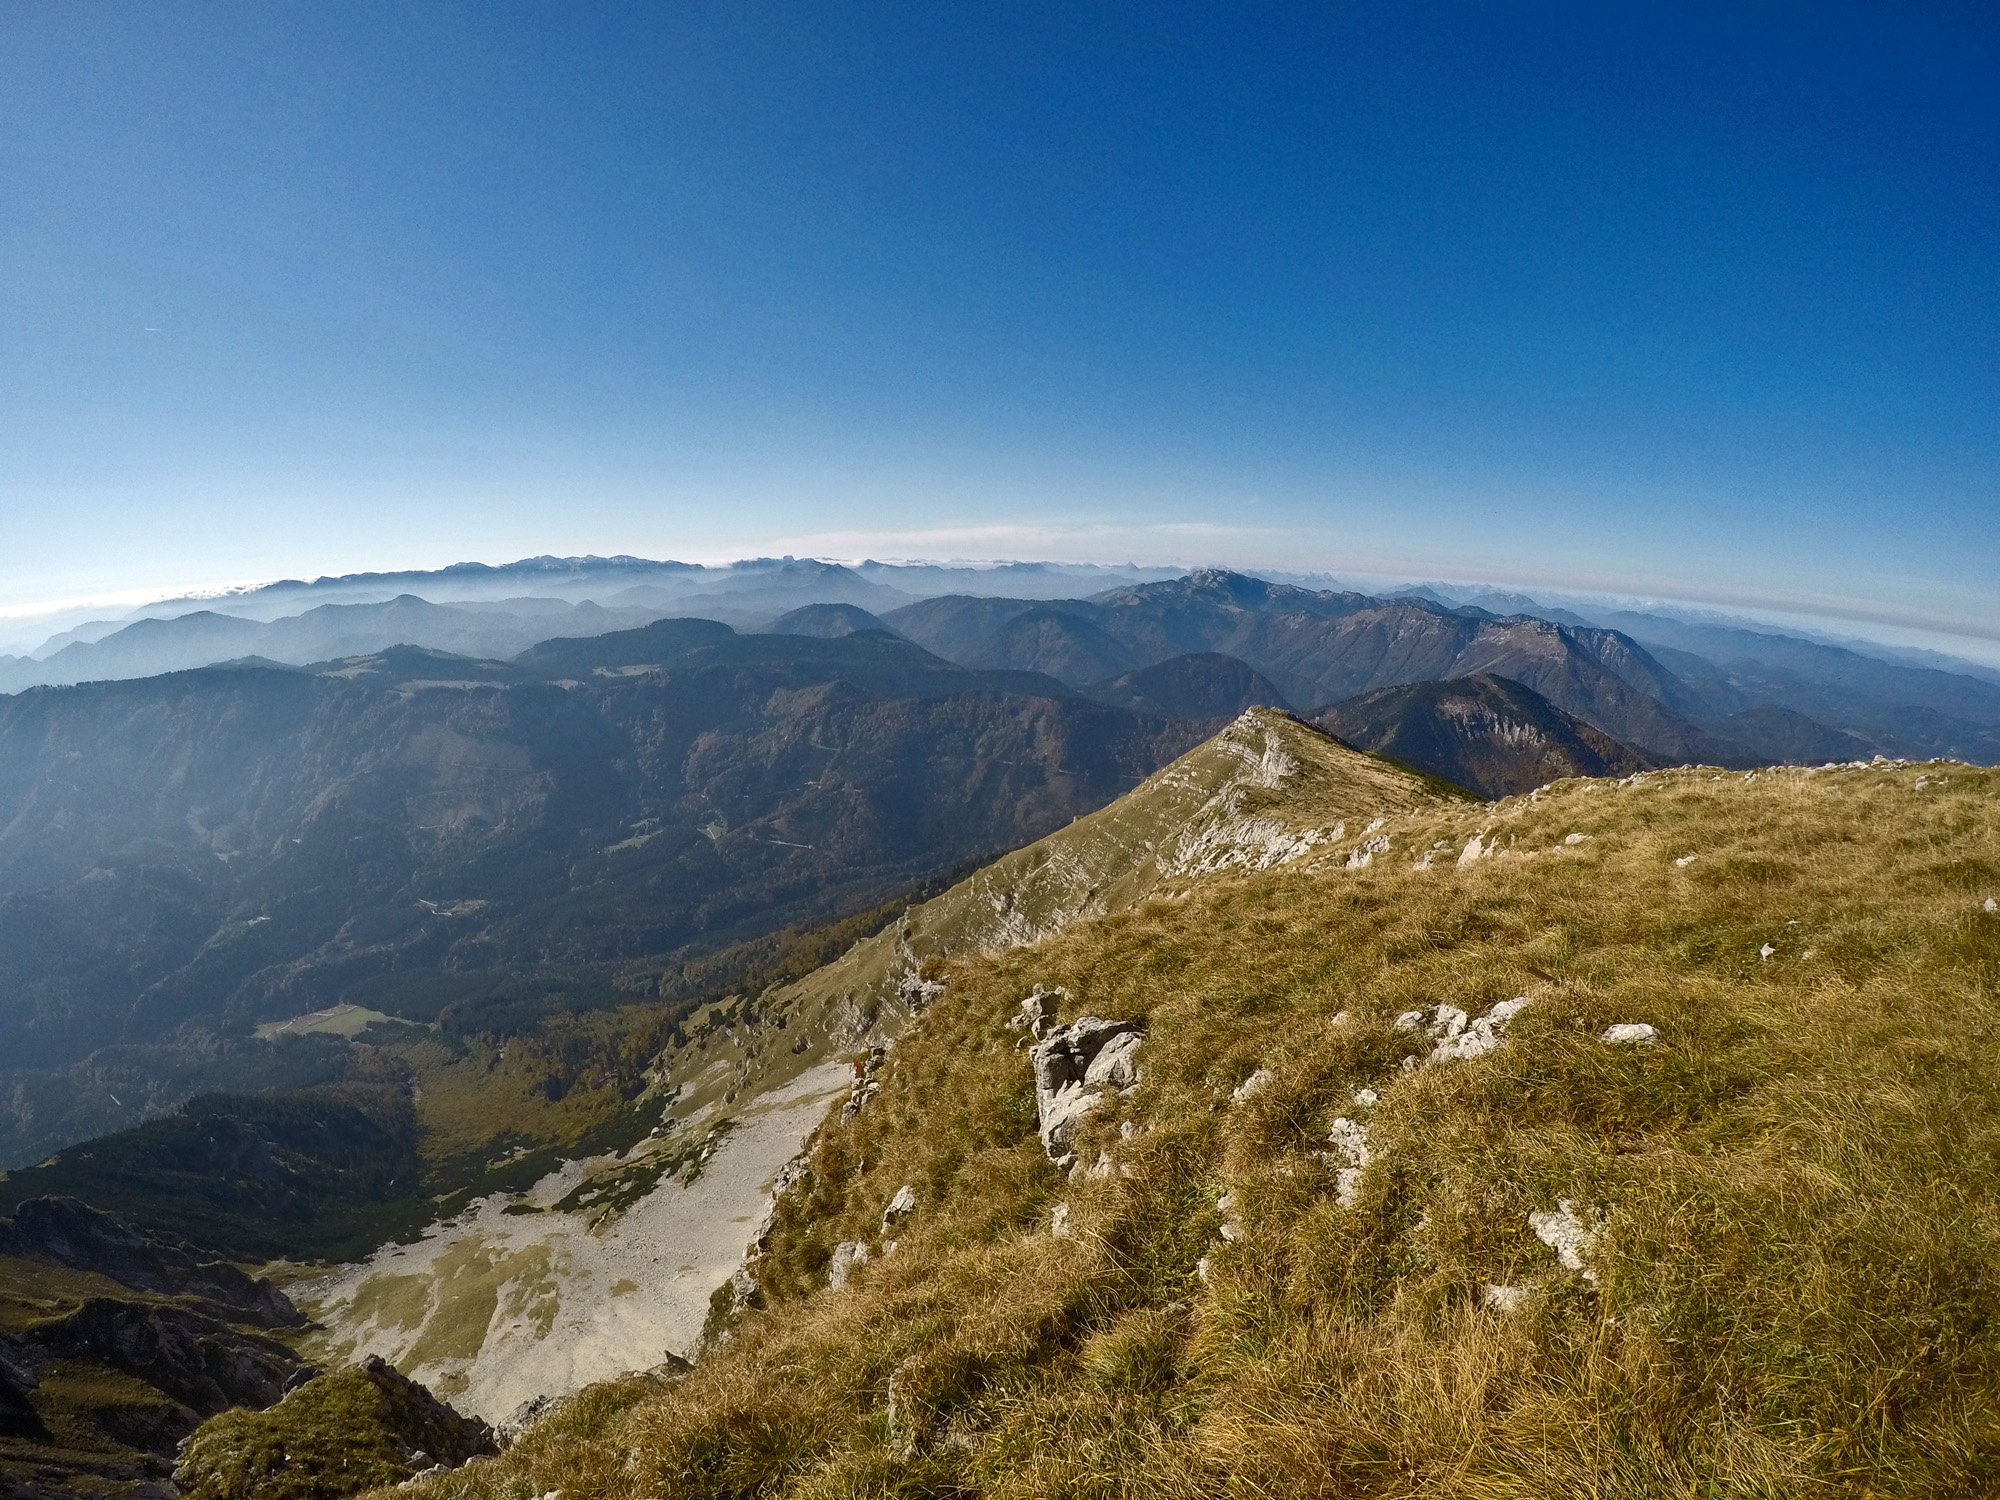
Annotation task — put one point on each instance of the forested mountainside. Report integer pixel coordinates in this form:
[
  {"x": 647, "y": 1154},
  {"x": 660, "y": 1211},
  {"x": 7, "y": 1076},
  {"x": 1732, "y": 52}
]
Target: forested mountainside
[
  {"x": 416, "y": 833},
  {"x": 1484, "y": 733},
  {"x": 1633, "y": 1137}
]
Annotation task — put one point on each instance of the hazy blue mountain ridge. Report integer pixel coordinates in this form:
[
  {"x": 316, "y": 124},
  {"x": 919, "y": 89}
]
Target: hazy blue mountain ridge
[{"x": 228, "y": 845}]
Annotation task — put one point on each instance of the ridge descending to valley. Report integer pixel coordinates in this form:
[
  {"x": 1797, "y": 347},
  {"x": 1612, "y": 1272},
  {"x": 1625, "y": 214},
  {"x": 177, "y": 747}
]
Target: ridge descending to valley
[
  {"x": 511, "y": 1300},
  {"x": 1629, "y": 1137}
]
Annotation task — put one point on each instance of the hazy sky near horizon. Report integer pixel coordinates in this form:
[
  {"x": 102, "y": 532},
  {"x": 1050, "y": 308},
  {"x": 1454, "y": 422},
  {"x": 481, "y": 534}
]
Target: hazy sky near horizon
[{"x": 1684, "y": 300}]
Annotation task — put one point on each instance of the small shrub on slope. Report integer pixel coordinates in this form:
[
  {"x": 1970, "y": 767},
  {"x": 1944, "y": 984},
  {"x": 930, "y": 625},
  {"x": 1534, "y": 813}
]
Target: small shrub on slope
[{"x": 1783, "y": 1210}]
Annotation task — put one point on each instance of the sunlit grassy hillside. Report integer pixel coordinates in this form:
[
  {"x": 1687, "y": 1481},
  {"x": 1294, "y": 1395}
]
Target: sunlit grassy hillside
[{"x": 1782, "y": 1214}]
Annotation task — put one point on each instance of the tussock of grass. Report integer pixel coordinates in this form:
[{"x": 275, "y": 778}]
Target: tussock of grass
[{"x": 1795, "y": 1291}]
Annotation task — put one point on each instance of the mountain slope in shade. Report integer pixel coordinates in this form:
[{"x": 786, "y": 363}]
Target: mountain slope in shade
[
  {"x": 1200, "y": 685},
  {"x": 149, "y": 647},
  {"x": 1486, "y": 733},
  {"x": 1782, "y": 737},
  {"x": 1066, "y": 646}
]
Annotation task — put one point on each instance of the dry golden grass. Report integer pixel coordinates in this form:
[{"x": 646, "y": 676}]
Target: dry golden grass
[{"x": 1797, "y": 1285}]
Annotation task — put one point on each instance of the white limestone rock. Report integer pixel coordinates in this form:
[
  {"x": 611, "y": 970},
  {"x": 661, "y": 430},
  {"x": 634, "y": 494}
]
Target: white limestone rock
[
  {"x": 1351, "y": 1155},
  {"x": 1458, "y": 1037},
  {"x": 848, "y": 1257},
  {"x": 920, "y": 994},
  {"x": 1074, "y": 1067},
  {"x": 1569, "y": 1233},
  {"x": 1038, "y": 1013},
  {"x": 1252, "y": 1086},
  {"x": 1631, "y": 1034},
  {"x": 900, "y": 1207}
]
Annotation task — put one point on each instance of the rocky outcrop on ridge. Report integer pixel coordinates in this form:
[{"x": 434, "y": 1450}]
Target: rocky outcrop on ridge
[{"x": 1075, "y": 1066}]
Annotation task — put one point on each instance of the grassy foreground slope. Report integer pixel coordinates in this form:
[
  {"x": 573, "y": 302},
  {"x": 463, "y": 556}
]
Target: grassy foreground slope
[{"x": 1783, "y": 1238}]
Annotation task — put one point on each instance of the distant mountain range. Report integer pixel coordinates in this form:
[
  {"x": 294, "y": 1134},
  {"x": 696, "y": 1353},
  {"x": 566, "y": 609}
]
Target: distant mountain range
[
  {"x": 1677, "y": 688},
  {"x": 1322, "y": 647}
]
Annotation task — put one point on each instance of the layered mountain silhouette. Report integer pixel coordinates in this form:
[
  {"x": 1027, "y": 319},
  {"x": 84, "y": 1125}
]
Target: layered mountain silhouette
[
  {"x": 1320, "y": 647},
  {"x": 1483, "y": 732},
  {"x": 1693, "y": 681}
]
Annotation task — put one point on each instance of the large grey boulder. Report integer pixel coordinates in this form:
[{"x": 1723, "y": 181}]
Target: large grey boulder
[{"x": 1074, "y": 1067}]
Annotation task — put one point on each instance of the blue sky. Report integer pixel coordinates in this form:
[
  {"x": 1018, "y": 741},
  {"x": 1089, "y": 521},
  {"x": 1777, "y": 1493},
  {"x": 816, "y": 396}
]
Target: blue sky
[{"x": 1671, "y": 300}]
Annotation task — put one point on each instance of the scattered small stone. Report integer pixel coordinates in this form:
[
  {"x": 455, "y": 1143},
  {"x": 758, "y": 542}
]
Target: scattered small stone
[
  {"x": 1364, "y": 853},
  {"x": 1458, "y": 1039},
  {"x": 1766, "y": 951},
  {"x": 1684, "y": 861},
  {"x": 1059, "y": 1221},
  {"x": 1575, "y": 838},
  {"x": 1568, "y": 1233},
  {"x": 1474, "y": 848},
  {"x": 1366, "y": 1098},
  {"x": 901, "y": 1206},
  {"x": 1631, "y": 1034},
  {"x": 1232, "y": 1227},
  {"x": 919, "y": 994},
  {"x": 1992, "y": 905},
  {"x": 848, "y": 1257},
  {"x": 1503, "y": 1299},
  {"x": 1350, "y": 1150},
  {"x": 1254, "y": 1085},
  {"x": 866, "y": 1085}
]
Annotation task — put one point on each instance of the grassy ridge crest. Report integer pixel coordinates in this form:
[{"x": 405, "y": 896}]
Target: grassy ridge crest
[{"x": 1794, "y": 1277}]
